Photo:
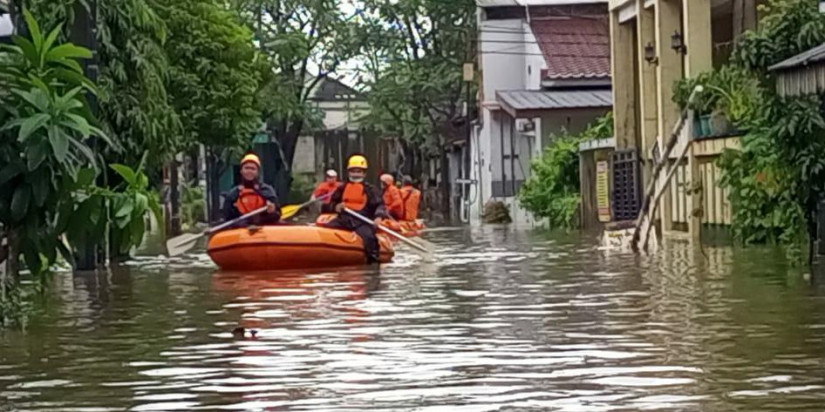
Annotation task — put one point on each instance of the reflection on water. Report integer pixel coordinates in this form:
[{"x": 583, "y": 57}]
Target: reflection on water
[{"x": 502, "y": 320}]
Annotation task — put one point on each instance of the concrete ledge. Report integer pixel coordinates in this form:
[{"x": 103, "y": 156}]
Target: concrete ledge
[{"x": 597, "y": 144}]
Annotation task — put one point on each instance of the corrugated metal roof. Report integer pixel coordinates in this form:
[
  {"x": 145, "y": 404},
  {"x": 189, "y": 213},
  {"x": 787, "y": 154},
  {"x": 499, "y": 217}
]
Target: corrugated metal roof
[
  {"x": 521, "y": 100},
  {"x": 815, "y": 55}
]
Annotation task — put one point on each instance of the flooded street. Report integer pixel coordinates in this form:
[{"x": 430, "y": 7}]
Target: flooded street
[{"x": 505, "y": 320}]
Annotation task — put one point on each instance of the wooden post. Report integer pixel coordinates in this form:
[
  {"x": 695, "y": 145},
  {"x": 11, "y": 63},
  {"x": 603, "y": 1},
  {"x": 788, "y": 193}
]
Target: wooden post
[
  {"x": 697, "y": 23},
  {"x": 695, "y": 205},
  {"x": 669, "y": 70},
  {"x": 697, "y": 37},
  {"x": 648, "y": 84},
  {"x": 624, "y": 93},
  {"x": 744, "y": 16}
]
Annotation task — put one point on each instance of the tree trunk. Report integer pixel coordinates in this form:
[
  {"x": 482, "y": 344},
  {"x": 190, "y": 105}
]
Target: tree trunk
[
  {"x": 12, "y": 260},
  {"x": 213, "y": 183},
  {"x": 287, "y": 133},
  {"x": 173, "y": 219},
  {"x": 445, "y": 183},
  {"x": 288, "y": 139}
]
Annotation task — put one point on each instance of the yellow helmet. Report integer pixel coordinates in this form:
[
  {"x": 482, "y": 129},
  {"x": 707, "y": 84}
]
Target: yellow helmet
[
  {"x": 251, "y": 158},
  {"x": 357, "y": 162}
]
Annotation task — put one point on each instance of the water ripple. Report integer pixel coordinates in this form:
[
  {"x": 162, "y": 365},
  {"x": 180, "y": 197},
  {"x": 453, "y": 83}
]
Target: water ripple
[{"x": 503, "y": 320}]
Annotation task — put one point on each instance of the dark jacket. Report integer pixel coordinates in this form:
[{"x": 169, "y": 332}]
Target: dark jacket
[
  {"x": 230, "y": 211},
  {"x": 375, "y": 202}
]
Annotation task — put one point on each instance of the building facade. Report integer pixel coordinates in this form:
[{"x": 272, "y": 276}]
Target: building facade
[
  {"x": 654, "y": 44},
  {"x": 545, "y": 70}
]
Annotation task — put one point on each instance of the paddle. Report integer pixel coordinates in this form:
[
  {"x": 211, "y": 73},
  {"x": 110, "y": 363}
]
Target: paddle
[
  {"x": 391, "y": 232},
  {"x": 288, "y": 212},
  {"x": 183, "y": 243}
]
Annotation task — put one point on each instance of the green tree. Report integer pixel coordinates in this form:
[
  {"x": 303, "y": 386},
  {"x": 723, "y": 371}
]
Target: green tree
[
  {"x": 133, "y": 73},
  {"x": 306, "y": 41},
  {"x": 47, "y": 168},
  {"x": 778, "y": 177},
  {"x": 215, "y": 74},
  {"x": 415, "y": 51}
]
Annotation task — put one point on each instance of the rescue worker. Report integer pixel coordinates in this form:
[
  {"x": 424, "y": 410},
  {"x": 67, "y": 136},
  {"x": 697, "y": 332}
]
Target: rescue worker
[
  {"x": 392, "y": 197},
  {"x": 411, "y": 200},
  {"x": 326, "y": 188},
  {"x": 362, "y": 198},
  {"x": 251, "y": 195}
]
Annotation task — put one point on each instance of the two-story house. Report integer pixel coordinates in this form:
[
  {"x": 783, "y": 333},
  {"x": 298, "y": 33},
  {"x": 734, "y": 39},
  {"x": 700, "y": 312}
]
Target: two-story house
[{"x": 545, "y": 70}]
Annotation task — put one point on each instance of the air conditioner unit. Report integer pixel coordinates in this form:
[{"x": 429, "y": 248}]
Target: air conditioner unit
[{"x": 525, "y": 125}]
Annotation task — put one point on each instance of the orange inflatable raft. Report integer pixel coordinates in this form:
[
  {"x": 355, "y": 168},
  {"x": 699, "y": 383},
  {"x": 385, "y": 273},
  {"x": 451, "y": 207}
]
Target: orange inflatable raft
[
  {"x": 290, "y": 247},
  {"x": 406, "y": 228}
]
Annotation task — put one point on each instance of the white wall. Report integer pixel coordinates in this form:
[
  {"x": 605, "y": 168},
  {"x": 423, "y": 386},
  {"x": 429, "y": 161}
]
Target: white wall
[
  {"x": 304, "y": 161},
  {"x": 343, "y": 114},
  {"x": 510, "y": 60},
  {"x": 502, "y": 50}
]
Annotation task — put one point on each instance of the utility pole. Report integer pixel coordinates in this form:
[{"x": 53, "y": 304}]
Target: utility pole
[{"x": 465, "y": 177}]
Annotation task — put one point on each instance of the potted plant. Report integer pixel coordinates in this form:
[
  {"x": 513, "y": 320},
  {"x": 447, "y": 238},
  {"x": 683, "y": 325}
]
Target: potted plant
[
  {"x": 703, "y": 104},
  {"x": 738, "y": 93}
]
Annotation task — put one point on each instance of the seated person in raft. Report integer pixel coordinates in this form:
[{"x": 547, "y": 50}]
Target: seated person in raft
[
  {"x": 251, "y": 195},
  {"x": 364, "y": 199}
]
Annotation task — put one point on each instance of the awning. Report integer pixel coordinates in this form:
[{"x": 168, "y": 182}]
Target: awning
[
  {"x": 534, "y": 103},
  {"x": 801, "y": 74},
  {"x": 817, "y": 54}
]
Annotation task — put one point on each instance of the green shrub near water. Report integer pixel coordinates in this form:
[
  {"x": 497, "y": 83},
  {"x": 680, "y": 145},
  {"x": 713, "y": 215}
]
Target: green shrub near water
[
  {"x": 301, "y": 189},
  {"x": 778, "y": 177},
  {"x": 192, "y": 206},
  {"x": 49, "y": 185},
  {"x": 552, "y": 192}
]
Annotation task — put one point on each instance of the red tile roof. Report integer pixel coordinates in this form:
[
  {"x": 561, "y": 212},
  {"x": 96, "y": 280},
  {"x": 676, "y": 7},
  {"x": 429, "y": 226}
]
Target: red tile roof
[{"x": 574, "y": 47}]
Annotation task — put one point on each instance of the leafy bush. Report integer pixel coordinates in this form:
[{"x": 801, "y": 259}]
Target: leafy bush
[
  {"x": 47, "y": 181},
  {"x": 778, "y": 177},
  {"x": 552, "y": 191},
  {"x": 731, "y": 90},
  {"x": 193, "y": 206},
  {"x": 301, "y": 189}
]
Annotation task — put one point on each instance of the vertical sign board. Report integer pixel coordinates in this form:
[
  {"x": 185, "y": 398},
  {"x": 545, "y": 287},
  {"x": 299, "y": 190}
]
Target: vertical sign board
[{"x": 603, "y": 191}]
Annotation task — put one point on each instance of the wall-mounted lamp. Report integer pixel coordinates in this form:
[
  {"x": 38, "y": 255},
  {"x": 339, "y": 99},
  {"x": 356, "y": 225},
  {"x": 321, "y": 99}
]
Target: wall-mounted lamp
[
  {"x": 677, "y": 42},
  {"x": 650, "y": 54}
]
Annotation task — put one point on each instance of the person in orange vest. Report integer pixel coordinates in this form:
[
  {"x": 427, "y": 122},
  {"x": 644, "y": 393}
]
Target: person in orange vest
[
  {"x": 251, "y": 195},
  {"x": 411, "y": 200},
  {"x": 392, "y": 197},
  {"x": 362, "y": 198},
  {"x": 325, "y": 188}
]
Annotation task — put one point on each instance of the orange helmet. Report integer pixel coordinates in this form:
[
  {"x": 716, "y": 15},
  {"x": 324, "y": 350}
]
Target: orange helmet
[
  {"x": 357, "y": 162},
  {"x": 388, "y": 179},
  {"x": 251, "y": 158}
]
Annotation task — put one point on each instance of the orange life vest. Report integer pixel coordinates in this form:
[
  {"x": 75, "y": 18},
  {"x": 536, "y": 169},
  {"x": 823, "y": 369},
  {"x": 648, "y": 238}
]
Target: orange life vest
[
  {"x": 355, "y": 196},
  {"x": 392, "y": 199},
  {"x": 411, "y": 198},
  {"x": 325, "y": 188},
  {"x": 249, "y": 201}
]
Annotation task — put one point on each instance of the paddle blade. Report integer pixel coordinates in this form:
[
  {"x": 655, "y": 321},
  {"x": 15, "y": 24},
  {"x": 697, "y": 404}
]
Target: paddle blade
[
  {"x": 290, "y": 211},
  {"x": 428, "y": 246},
  {"x": 182, "y": 244}
]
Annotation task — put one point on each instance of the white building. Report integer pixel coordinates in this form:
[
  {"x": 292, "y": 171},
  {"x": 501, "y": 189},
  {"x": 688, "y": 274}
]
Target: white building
[
  {"x": 545, "y": 69},
  {"x": 341, "y": 107}
]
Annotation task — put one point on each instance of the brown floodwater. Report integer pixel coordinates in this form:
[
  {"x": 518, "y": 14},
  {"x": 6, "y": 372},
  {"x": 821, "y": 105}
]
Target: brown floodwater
[{"x": 501, "y": 320}]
